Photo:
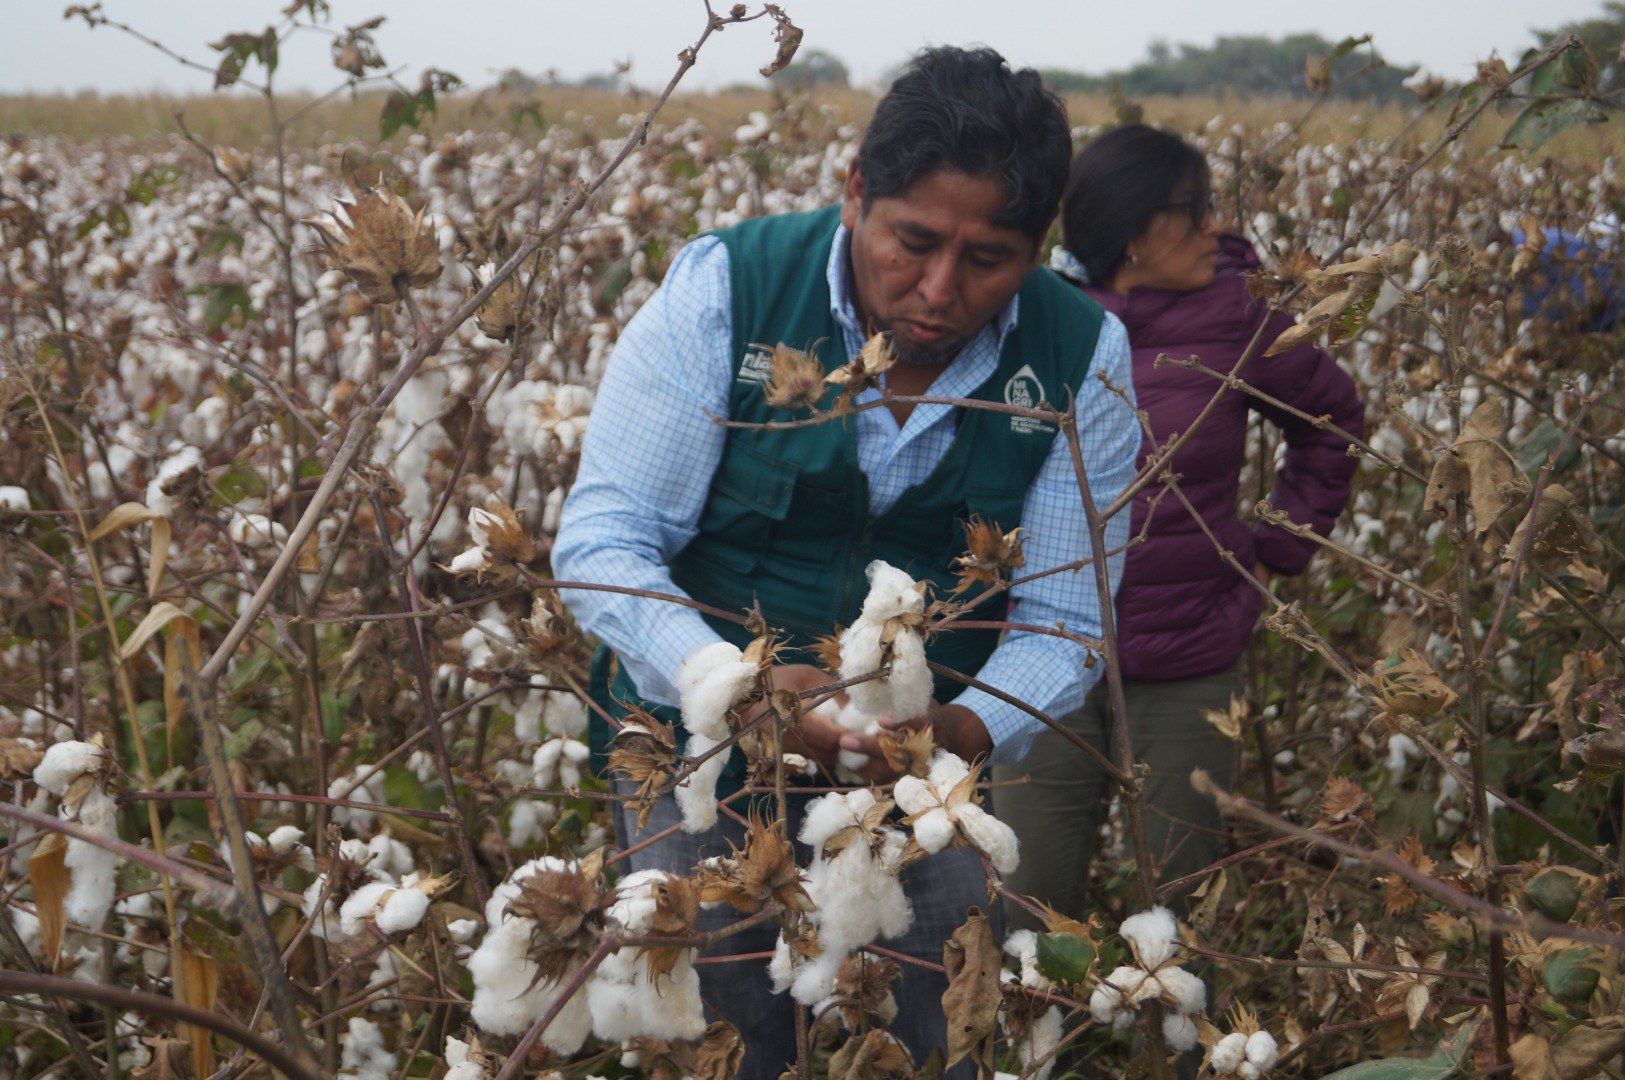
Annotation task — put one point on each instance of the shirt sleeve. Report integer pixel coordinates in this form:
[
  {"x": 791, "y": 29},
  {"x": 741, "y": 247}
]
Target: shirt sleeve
[
  {"x": 1045, "y": 671},
  {"x": 646, "y": 468}
]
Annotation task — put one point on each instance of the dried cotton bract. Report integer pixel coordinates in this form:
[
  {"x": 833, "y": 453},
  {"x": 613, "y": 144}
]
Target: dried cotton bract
[
  {"x": 649, "y": 991},
  {"x": 943, "y": 805},
  {"x": 380, "y": 244},
  {"x": 510, "y": 989}
]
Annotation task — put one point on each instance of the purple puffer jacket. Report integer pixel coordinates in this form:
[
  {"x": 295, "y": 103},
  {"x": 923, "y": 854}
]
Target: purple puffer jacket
[{"x": 1181, "y": 611}]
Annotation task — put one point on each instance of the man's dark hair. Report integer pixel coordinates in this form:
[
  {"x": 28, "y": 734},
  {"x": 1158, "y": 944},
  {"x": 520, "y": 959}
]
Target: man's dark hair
[
  {"x": 966, "y": 111},
  {"x": 1119, "y": 182}
]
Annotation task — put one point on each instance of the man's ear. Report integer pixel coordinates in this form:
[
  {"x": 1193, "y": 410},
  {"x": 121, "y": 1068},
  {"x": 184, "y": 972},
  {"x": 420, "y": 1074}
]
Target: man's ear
[{"x": 852, "y": 197}]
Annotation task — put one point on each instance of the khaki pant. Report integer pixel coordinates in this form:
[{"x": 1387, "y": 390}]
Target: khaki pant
[{"x": 1058, "y": 813}]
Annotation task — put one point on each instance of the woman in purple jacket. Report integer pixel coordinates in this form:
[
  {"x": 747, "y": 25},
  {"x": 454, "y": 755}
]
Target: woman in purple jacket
[{"x": 1142, "y": 238}]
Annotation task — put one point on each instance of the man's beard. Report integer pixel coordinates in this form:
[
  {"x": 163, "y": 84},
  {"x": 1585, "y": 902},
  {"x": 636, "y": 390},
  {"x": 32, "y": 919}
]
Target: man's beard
[{"x": 924, "y": 356}]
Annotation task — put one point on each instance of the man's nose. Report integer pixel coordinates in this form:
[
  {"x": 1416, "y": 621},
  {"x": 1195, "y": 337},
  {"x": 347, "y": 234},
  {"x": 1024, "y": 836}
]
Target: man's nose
[{"x": 939, "y": 281}]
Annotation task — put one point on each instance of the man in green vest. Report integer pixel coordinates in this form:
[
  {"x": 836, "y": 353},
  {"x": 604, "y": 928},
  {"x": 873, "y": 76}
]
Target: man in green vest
[{"x": 937, "y": 243}]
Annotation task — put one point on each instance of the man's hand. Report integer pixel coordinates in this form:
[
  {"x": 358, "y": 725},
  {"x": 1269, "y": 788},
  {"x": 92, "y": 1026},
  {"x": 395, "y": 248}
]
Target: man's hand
[
  {"x": 819, "y": 738},
  {"x": 955, "y": 727}
]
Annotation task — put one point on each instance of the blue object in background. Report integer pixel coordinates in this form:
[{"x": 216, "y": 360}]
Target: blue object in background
[{"x": 1579, "y": 281}]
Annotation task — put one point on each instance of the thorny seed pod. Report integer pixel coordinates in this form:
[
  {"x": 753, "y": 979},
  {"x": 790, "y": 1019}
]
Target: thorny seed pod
[
  {"x": 990, "y": 554},
  {"x": 764, "y": 869},
  {"x": 504, "y": 311},
  {"x": 643, "y": 752},
  {"x": 567, "y": 908},
  {"x": 380, "y": 245},
  {"x": 875, "y": 359},
  {"x": 796, "y": 380}
]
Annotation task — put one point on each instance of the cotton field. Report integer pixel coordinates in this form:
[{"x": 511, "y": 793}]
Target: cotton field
[{"x": 194, "y": 350}]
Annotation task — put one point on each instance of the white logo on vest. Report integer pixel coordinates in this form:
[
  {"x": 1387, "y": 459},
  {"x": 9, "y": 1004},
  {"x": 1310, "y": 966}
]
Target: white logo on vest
[
  {"x": 757, "y": 367},
  {"x": 1025, "y": 392}
]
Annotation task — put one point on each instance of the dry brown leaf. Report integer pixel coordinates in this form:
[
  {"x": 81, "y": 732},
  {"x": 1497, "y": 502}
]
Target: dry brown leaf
[
  {"x": 1582, "y": 1050},
  {"x": 171, "y": 1060},
  {"x": 1205, "y": 902},
  {"x": 1407, "y": 683},
  {"x": 161, "y": 615},
  {"x": 1532, "y": 1059},
  {"x": 161, "y": 534},
  {"x": 720, "y": 1053},
  {"x": 788, "y": 36},
  {"x": 972, "y": 960},
  {"x": 874, "y": 1055},
  {"x": 122, "y": 517},
  {"x": 183, "y": 654},
  {"x": 17, "y": 759},
  {"x": 199, "y": 988},
  {"x": 50, "y": 876},
  {"x": 1478, "y": 466},
  {"x": 1227, "y": 722},
  {"x": 1563, "y": 532},
  {"x": 864, "y": 983},
  {"x": 1343, "y": 799}
]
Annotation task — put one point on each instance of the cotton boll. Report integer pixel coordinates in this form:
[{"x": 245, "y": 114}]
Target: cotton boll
[
  {"x": 1044, "y": 1037},
  {"x": 462, "y": 931},
  {"x": 565, "y": 715},
  {"x": 947, "y": 769},
  {"x": 365, "y": 1056},
  {"x": 528, "y": 820},
  {"x": 360, "y": 906},
  {"x": 65, "y": 762},
  {"x": 829, "y": 814},
  {"x": 990, "y": 836},
  {"x": 1248, "y": 1071},
  {"x": 1109, "y": 1002},
  {"x": 780, "y": 969},
  {"x": 711, "y": 681},
  {"x": 13, "y": 498},
  {"x": 94, "y": 869},
  {"x": 403, "y": 910},
  {"x": 288, "y": 840},
  {"x": 934, "y": 830},
  {"x": 390, "y": 857},
  {"x": 459, "y": 1067},
  {"x": 697, "y": 794},
  {"x": 625, "y": 1004},
  {"x": 1179, "y": 1032},
  {"x": 508, "y": 997},
  {"x": 1182, "y": 990},
  {"x": 1262, "y": 1050},
  {"x": 910, "y": 681},
  {"x": 1228, "y": 1053},
  {"x": 1154, "y": 935}
]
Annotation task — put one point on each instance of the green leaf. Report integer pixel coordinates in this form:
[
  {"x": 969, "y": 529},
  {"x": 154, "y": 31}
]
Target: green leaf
[
  {"x": 1065, "y": 958},
  {"x": 334, "y": 709},
  {"x": 86, "y": 226},
  {"x": 1538, "y": 445},
  {"x": 144, "y": 188},
  {"x": 613, "y": 281},
  {"x": 403, "y": 788},
  {"x": 241, "y": 739},
  {"x": 1466, "y": 101},
  {"x": 223, "y": 301},
  {"x": 1571, "y": 975},
  {"x": 1546, "y": 119},
  {"x": 1349, "y": 321},
  {"x": 238, "y": 483},
  {"x": 404, "y": 110},
  {"x": 1542, "y": 82},
  {"x": 1348, "y": 45},
  {"x": 217, "y": 240},
  {"x": 118, "y": 221},
  {"x": 1443, "y": 1063}
]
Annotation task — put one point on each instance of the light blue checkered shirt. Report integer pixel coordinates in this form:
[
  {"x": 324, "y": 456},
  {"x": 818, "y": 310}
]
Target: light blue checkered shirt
[{"x": 651, "y": 451}]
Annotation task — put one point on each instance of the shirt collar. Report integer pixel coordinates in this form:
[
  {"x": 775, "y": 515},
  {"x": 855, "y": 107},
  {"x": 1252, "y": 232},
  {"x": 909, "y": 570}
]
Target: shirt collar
[{"x": 839, "y": 275}]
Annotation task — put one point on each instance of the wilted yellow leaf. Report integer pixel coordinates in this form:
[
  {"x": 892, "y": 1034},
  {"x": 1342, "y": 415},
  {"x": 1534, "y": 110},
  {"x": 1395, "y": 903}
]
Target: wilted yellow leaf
[{"x": 50, "y": 876}]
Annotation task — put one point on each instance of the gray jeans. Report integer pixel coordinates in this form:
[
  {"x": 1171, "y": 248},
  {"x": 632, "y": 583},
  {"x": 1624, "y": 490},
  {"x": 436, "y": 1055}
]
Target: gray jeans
[
  {"x": 1058, "y": 812},
  {"x": 941, "y": 889}
]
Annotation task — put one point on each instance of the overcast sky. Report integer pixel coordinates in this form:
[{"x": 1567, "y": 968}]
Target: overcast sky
[{"x": 39, "y": 51}]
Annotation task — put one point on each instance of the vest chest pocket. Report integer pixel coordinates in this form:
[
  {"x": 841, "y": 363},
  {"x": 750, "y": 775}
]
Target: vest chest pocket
[{"x": 750, "y": 496}]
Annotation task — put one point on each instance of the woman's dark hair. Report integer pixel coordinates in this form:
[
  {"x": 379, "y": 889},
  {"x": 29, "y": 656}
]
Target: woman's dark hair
[
  {"x": 965, "y": 110},
  {"x": 1119, "y": 182}
]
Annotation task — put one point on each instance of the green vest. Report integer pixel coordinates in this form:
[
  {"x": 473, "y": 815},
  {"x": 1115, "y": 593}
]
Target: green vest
[{"x": 787, "y": 523}]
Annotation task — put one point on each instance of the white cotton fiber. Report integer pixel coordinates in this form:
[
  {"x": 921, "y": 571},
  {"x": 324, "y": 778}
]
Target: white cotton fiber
[
  {"x": 94, "y": 869},
  {"x": 508, "y": 997},
  {"x": 1188, "y": 994},
  {"x": 402, "y": 910},
  {"x": 65, "y": 762},
  {"x": 697, "y": 794},
  {"x": 1228, "y": 1053},
  {"x": 1179, "y": 1031},
  {"x": 1154, "y": 935},
  {"x": 1262, "y": 1050},
  {"x": 990, "y": 836},
  {"x": 711, "y": 681}
]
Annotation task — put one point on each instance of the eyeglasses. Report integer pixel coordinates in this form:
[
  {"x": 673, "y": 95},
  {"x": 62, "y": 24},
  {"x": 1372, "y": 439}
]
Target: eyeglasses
[{"x": 1200, "y": 210}]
